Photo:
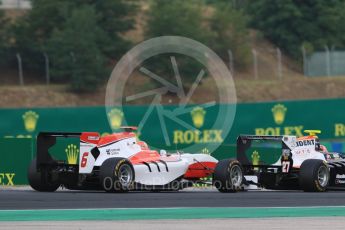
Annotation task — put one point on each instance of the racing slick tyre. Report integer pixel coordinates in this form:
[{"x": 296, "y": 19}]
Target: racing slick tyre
[
  {"x": 41, "y": 181},
  {"x": 117, "y": 175},
  {"x": 228, "y": 176},
  {"x": 314, "y": 175}
]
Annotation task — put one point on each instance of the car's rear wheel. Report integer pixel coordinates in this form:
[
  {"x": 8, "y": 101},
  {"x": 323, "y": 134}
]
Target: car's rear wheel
[
  {"x": 41, "y": 181},
  {"x": 117, "y": 175},
  {"x": 314, "y": 176},
  {"x": 228, "y": 176}
]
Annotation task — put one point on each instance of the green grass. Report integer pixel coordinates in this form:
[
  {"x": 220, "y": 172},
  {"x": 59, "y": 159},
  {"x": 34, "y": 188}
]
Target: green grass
[{"x": 167, "y": 213}]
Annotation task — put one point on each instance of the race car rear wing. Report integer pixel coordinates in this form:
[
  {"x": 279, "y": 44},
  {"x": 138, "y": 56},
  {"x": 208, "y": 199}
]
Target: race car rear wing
[
  {"x": 244, "y": 142},
  {"x": 46, "y": 140}
]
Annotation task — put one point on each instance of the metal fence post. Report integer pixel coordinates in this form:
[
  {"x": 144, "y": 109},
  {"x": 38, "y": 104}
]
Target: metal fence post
[
  {"x": 305, "y": 62},
  {"x": 279, "y": 64},
  {"x": 231, "y": 62},
  {"x": 255, "y": 63},
  {"x": 328, "y": 64},
  {"x": 20, "y": 69},
  {"x": 73, "y": 56},
  {"x": 46, "y": 58},
  {"x": 333, "y": 67},
  {"x": 234, "y": 4}
]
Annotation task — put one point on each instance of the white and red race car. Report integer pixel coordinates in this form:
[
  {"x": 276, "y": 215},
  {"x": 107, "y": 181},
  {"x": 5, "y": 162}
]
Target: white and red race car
[{"x": 119, "y": 163}]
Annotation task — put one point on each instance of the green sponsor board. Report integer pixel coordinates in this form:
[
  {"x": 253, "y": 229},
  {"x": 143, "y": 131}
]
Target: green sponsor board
[
  {"x": 197, "y": 132},
  {"x": 16, "y": 153},
  {"x": 273, "y": 118}
]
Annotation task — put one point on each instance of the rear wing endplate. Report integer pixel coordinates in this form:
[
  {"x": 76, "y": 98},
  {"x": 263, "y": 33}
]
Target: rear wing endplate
[
  {"x": 45, "y": 140},
  {"x": 244, "y": 142}
]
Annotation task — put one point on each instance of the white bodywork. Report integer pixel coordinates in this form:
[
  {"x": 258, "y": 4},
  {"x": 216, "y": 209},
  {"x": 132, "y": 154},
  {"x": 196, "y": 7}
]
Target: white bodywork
[
  {"x": 177, "y": 164},
  {"x": 84, "y": 152},
  {"x": 301, "y": 150},
  {"x": 155, "y": 177}
]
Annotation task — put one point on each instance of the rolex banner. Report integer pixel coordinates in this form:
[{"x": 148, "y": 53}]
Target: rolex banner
[
  {"x": 210, "y": 129},
  {"x": 195, "y": 125},
  {"x": 15, "y": 157}
]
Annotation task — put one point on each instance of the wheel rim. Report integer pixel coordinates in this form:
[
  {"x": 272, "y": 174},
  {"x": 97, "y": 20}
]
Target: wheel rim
[
  {"x": 236, "y": 175},
  {"x": 323, "y": 176},
  {"x": 125, "y": 175}
]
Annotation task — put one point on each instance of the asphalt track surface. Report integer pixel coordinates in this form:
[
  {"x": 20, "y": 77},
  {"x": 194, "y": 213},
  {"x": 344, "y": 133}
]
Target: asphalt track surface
[{"x": 29, "y": 199}]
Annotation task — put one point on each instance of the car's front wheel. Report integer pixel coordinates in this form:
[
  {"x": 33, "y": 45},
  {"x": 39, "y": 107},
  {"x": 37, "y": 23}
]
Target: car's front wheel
[{"x": 228, "y": 176}]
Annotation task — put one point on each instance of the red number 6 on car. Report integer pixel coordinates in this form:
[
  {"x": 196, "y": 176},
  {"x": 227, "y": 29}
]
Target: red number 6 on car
[{"x": 84, "y": 159}]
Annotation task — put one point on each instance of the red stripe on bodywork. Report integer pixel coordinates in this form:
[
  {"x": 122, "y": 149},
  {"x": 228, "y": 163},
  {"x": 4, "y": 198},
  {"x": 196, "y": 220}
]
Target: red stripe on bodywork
[
  {"x": 115, "y": 137},
  {"x": 143, "y": 145},
  {"x": 90, "y": 137},
  {"x": 144, "y": 156},
  {"x": 151, "y": 156},
  {"x": 306, "y": 138},
  {"x": 200, "y": 170}
]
